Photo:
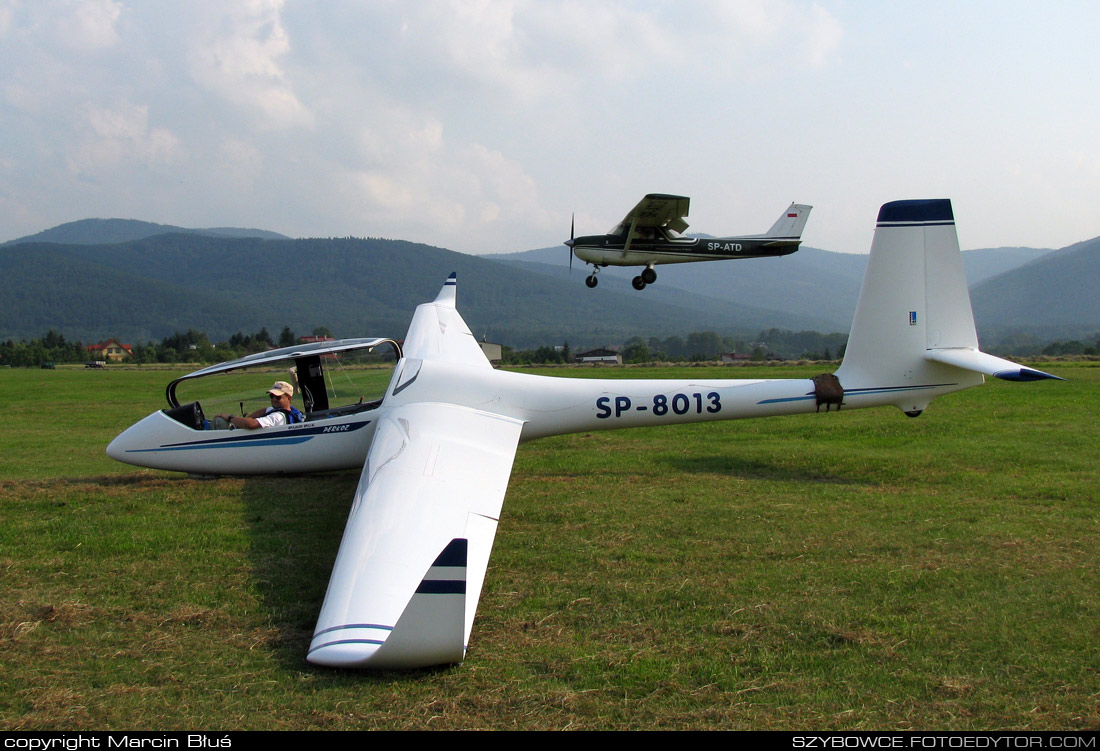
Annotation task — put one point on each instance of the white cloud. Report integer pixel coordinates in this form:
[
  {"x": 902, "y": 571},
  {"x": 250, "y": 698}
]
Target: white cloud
[
  {"x": 7, "y": 11},
  {"x": 235, "y": 52},
  {"x": 122, "y": 136},
  {"x": 824, "y": 34},
  {"x": 87, "y": 24},
  {"x": 481, "y": 124},
  {"x": 239, "y": 164},
  {"x": 409, "y": 177}
]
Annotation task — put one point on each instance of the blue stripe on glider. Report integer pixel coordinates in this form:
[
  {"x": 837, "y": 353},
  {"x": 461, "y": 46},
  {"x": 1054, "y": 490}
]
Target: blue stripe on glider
[
  {"x": 452, "y": 557},
  {"x": 259, "y": 438},
  {"x": 788, "y": 399},
  {"x": 442, "y": 587},
  {"x": 919, "y": 211},
  {"x": 454, "y": 554},
  {"x": 354, "y": 625},
  {"x": 858, "y": 392},
  {"x": 1025, "y": 374},
  {"x": 236, "y": 444},
  {"x": 346, "y": 641}
]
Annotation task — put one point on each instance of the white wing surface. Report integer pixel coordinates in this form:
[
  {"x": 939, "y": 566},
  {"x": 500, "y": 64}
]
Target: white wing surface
[{"x": 412, "y": 561}]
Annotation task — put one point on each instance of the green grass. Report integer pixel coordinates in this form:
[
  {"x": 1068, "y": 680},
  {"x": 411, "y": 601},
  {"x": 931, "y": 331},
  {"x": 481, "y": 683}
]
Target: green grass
[{"x": 851, "y": 570}]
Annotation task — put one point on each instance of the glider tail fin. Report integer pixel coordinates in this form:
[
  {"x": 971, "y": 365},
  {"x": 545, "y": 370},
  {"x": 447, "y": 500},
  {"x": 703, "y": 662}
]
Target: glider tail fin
[
  {"x": 913, "y": 336},
  {"x": 449, "y": 291},
  {"x": 790, "y": 223}
]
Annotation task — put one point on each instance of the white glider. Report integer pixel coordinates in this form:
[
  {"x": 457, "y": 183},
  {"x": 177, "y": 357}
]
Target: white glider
[{"x": 409, "y": 572}]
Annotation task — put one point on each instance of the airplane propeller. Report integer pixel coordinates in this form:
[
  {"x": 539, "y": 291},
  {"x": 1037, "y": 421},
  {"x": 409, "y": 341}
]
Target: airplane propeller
[{"x": 569, "y": 243}]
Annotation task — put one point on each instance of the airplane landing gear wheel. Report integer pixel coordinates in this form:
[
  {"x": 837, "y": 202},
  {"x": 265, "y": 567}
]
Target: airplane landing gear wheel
[
  {"x": 649, "y": 276},
  {"x": 638, "y": 283},
  {"x": 591, "y": 281}
]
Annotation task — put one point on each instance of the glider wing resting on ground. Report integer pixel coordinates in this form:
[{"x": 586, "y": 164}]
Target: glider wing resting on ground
[
  {"x": 437, "y": 450},
  {"x": 650, "y": 235}
]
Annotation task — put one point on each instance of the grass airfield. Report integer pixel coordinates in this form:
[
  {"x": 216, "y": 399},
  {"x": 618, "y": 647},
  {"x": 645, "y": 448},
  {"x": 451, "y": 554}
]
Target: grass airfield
[{"x": 852, "y": 570}]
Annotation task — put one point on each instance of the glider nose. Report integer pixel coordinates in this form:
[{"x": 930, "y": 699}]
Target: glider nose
[
  {"x": 115, "y": 450},
  {"x": 125, "y": 442}
]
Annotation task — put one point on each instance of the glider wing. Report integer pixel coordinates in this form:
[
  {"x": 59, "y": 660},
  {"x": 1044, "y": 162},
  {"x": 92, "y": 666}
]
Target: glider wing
[{"x": 408, "y": 576}]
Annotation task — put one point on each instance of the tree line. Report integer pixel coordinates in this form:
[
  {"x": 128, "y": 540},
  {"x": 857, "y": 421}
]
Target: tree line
[
  {"x": 194, "y": 346},
  {"x": 700, "y": 346},
  {"x": 189, "y": 346}
]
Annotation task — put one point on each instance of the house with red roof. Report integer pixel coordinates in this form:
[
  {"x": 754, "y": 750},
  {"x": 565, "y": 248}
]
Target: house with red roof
[{"x": 111, "y": 350}]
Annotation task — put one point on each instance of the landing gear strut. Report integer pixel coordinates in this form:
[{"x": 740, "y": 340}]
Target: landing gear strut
[{"x": 591, "y": 279}]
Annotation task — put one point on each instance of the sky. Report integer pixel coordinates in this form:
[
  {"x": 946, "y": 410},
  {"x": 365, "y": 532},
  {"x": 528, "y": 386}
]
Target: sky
[{"x": 485, "y": 126}]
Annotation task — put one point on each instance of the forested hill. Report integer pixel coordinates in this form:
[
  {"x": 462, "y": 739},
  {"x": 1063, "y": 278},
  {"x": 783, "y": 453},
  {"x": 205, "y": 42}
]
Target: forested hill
[
  {"x": 1059, "y": 291},
  {"x": 150, "y": 288},
  {"x": 106, "y": 231}
]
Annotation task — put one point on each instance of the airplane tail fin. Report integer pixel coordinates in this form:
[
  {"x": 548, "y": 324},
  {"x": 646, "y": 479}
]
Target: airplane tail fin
[
  {"x": 913, "y": 336},
  {"x": 790, "y": 224},
  {"x": 448, "y": 293}
]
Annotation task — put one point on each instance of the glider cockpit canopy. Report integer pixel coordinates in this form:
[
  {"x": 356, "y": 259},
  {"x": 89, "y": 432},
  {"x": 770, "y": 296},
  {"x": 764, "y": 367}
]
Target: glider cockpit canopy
[{"x": 307, "y": 359}]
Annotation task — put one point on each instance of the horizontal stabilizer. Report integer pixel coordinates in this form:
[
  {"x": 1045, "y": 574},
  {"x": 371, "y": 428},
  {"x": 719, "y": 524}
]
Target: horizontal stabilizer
[{"x": 980, "y": 362}]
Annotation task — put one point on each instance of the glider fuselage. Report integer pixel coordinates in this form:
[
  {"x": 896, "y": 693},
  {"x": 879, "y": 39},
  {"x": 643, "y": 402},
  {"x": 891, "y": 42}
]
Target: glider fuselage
[{"x": 545, "y": 406}]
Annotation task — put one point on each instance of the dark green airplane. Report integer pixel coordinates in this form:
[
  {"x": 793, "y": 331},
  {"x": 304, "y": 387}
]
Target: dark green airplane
[{"x": 651, "y": 234}]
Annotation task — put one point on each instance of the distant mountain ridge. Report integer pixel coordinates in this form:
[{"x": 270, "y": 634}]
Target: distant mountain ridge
[
  {"x": 221, "y": 281},
  {"x": 150, "y": 288},
  {"x": 109, "y": 231},
  {"x": 1058, "y": 292},
  {"x": 814, "y": 283}
]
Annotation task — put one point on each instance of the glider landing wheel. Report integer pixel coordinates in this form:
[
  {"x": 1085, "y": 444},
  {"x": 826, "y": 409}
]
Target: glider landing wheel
[
  {"x": 638, "y": 282},
  {"x": 649, "y": 276},
  {"x": 591, "y": 281}
]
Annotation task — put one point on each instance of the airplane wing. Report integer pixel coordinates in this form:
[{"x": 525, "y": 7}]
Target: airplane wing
[
  {"x": 659, "y": 210},
  {"x": 408, "y": 576}
]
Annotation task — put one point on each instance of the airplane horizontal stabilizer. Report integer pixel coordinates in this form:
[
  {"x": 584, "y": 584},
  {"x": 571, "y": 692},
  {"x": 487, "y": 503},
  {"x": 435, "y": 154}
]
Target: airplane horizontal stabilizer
[{"x": 980, "y": 362}]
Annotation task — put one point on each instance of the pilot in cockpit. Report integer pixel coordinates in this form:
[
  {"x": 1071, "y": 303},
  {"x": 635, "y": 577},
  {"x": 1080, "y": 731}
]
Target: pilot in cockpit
[{"x": 281, "y": 412}]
